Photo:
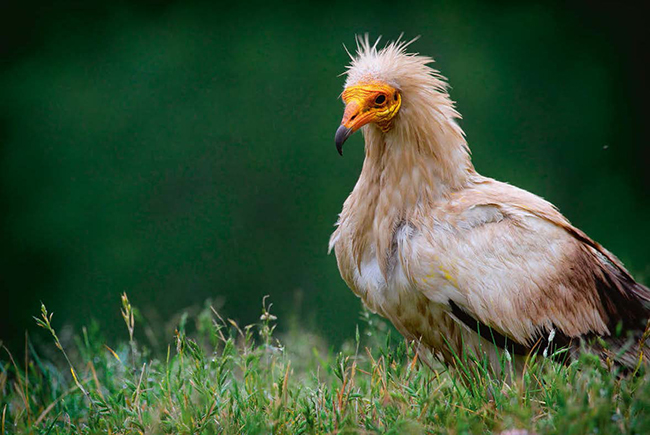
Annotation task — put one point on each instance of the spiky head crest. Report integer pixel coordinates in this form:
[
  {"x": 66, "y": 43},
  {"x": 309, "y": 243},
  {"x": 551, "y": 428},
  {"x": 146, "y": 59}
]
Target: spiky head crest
[{"x": 393, "y": 65}]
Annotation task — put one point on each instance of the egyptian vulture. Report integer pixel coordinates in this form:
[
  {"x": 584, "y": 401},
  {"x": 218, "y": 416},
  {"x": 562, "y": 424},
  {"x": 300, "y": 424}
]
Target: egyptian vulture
[{"x": 457, "y": 261}]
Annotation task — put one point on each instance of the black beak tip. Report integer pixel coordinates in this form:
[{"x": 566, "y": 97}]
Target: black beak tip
[{"x": 342, "y": 134}]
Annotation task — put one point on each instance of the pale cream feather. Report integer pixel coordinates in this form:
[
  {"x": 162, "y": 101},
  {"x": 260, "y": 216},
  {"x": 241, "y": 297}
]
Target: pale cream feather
[{"x": 422, "y": 234}]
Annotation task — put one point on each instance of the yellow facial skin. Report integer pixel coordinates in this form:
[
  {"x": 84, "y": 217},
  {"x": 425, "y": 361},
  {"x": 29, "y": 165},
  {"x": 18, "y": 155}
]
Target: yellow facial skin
[
  {"x": 371, "y": 102},
  {"x": 366, "y": 103}
]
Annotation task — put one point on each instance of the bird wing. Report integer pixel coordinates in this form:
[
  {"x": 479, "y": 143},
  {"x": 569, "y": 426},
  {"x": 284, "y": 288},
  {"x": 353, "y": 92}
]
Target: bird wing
[{"x": 504, "y": 258}]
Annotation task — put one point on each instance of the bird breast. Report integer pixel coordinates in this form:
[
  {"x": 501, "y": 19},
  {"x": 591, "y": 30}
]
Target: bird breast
[
  {"x": 380, "y": 290},
  {"x": 393, "y": 294}
]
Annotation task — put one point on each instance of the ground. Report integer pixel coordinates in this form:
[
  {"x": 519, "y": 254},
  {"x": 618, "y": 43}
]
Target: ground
[{"x": 218, "y": 377}]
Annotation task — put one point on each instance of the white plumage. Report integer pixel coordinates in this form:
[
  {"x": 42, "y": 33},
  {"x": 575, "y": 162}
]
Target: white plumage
[{"x": 455, "y": 260}]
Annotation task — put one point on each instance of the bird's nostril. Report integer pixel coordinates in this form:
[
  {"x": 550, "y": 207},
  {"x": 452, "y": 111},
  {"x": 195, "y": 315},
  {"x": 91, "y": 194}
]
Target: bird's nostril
[{"x": 353, "y": 116}]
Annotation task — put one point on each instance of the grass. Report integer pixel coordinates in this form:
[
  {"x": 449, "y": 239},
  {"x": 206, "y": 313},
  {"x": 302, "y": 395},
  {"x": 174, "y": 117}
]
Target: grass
[{"x": 218, "y": 377}]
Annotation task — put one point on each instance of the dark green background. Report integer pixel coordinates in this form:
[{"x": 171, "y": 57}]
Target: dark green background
[{"x": 181, "y": 151}]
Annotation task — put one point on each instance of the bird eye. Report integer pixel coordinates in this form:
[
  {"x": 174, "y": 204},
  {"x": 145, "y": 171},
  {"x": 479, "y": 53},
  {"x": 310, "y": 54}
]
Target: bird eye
[
  {"x": 395, "y": 96},
  {"x": 381, "y": 99}
]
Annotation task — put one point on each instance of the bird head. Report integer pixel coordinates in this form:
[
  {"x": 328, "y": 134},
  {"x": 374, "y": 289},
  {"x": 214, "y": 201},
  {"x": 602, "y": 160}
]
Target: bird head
[
  {"x": 371, "y": 102},
  {"x": 389, "y": 88}
]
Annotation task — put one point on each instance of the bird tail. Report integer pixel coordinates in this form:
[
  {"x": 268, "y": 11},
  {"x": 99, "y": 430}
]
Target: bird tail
[{"x": 629, "y": 353}]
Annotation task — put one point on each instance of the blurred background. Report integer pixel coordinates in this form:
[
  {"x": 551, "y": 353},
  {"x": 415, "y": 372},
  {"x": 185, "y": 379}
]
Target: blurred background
[{"x": 180, "y": 151}]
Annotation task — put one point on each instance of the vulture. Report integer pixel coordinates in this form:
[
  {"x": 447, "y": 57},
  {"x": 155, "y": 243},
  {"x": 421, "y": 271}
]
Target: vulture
[{"x": 458, "y": 262}]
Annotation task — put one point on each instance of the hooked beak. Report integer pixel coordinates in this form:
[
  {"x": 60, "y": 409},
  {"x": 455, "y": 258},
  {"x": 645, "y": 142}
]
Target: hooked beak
[
  {"x": 354, "y": 118},
  {"x": 342, "y": 134}
]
